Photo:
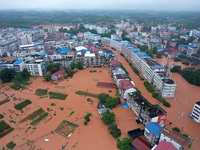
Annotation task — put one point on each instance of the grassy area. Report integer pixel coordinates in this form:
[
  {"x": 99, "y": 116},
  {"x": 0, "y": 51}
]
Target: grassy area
[
  {"x": 41, "y": 117},
  {"x": 41, "y": 92},
  {"x": 4, "y": 129},
  {"x": 4, "y": 101},
  {"x": 54, "y": 95},
  {"x": 34, "y": 115},
  {"x": 86, "y": 94},
  {"x": 22, "y": 104}
]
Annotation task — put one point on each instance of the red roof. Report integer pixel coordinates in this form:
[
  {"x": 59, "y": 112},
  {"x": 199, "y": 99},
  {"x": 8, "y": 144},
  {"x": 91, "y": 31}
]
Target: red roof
[
  {"x": 141, "y": 144},
  {"x": 165, "y": 146},
  {"x": 125, "y": 82},
  {"x": 107, "y": 85},
  {"x": 114, "y": 62},
  {"x": 59, "y": 72},
  {"x": 123, "y": 101}
]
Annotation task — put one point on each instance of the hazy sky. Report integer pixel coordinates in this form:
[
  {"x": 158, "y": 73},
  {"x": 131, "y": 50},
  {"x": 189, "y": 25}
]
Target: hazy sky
[{"x": 191, "y": 5}]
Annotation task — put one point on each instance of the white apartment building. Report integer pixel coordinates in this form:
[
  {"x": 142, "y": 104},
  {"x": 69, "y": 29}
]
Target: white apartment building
[
  {"x": 90, "y": 36},
  {"x": 196, "y": 112}
]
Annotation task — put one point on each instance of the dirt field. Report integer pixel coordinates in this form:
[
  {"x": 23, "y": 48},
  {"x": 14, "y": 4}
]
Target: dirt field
[
  {"x": 95, "y": 135},
  {"x": 182, "y": 104}
]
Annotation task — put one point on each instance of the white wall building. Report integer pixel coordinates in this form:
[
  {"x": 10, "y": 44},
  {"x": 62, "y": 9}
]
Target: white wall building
[{"x": 196, "y": 112}]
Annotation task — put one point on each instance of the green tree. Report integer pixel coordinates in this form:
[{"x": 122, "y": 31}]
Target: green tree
[
  {"x": 176, "y": 68},
  {"x": 57, "y": 66},
  {"x": 108, "y": 117},
  {"x": 49, "y": 67},
  {"x": 102, "y": 97},
  {"x": 158, "y": 55},
  {"x": 6, "y": 75},
  {"x": 176, "y": 129},
  {"x": 144, "y": 48},
  {"x": 80, "y": 66},
  {"x": 25, "y": 73},
  {"x": 124, "y": 144},
  {"x": 114, "y": 130},
  {"x": 73, "y": 65},
  {"x": 47, "y": 76},
  {"x": 155, "y": 49}
]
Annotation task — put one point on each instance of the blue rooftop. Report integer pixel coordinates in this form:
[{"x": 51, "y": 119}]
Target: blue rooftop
[
  {"x": 168, "y": 36},
  {"x": 18, "y": 61},
  {"x": 157, "y": 67},
  {"x": 95, "y": 42},
  {"x": 130, "y": 45},
  {"x": 63, "y": 50},
  {"x": 43, "y": 54},
  {"x": 154, "y": 128},
  {"x": 153, "y": 37},
  {"x": 157, "y": 43},
  {"x": 159, "y": 38},
  {"x": 117, "y": 39},
  {"x": 140, "y": 53},
  {"x": 124, "y": 42},
  {"x": 105, "y": 38},
  {"x": 135, "y": 49},
  {"x": 188, "y": 46},
  {"x": 109, "y": 53}
]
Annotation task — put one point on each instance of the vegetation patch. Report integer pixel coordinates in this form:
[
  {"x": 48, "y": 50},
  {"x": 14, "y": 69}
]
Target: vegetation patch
[
  {"x": 54, "y": 95},
  {"x": 87, "y": 118},
  {"x": 86, "y": 94},
  {"x": 16, "y": 86},
  {"x": 71, "y": 113},
  {"x": 4, "y": 129},
  {"x": 109, "y": 101},
  {"x": 11, "y": 145},
  {"x": 41, "y": 117},
  {"x": 41, "y": 92},
  {"x": 176, "y": 129},
  {"x": 66, "y": 128},
  {"x": 34, "y": 115},
  {"x": 1, "y": 116},
  {"x": 108, "y": 117},
  {"x": 124, "y": 144},
  {"x": 90, "y": 101},
  {"x": 22, "y": 104},
  {"x": 4, "y": 101},
  {"x": 114, "y": 130}
]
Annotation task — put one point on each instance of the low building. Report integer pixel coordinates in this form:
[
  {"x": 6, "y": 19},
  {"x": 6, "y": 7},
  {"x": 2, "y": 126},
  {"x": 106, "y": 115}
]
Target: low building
[
  {"x": 145, "y": 111},
  {"x": 57, "y": 75},
  {"x": 196, "y": 112},
  {"x": 177, "y": 139},
  {"x": 164, "y": 146},
  {"x": 141, "y": 144},
  {"x": 152, "y": 132},
  {"x": 65, "y": 62}
]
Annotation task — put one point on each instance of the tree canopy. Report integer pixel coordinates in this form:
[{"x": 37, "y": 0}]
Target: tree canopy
[
  {"x": 108, "y": 117},
  {"x": 124, "y": 144},
  {"x": 6, "y": 75}
]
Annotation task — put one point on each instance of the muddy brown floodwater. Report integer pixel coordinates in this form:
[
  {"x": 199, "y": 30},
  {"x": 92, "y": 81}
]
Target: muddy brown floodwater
[
  {"x": 95, "y": 135},
  {"x": 186, "y": 95}
]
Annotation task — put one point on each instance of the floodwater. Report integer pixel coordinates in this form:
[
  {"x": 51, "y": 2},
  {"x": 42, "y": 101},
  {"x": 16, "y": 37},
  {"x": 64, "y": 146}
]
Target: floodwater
[
  {"x": 95, "y": 135},
  {"x": 186, "y": 95}
]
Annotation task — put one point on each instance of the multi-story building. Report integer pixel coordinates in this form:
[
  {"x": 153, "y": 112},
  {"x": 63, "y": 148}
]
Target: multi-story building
[
  {"x": 105, "y": 40},
  {"x": 65, "y": 62},
  {"x": 189, "y": 49},
  {"x": 17, "y": 66},
  {"x": 90, "y": 36},
  {"x": 145, "y": 111},
  {"x": 177, "y": 139},
  {"x": 196, "y": 112},
  {"x": 38, "y": 66}
]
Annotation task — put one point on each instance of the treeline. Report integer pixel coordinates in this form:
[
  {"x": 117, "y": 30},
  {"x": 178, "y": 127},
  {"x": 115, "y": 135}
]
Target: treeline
[
  {"x": 26, "y": 19},
  {"x": 192, "y": 76}
]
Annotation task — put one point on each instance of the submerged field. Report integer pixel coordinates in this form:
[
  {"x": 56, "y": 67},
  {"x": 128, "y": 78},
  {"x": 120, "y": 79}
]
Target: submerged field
[{"x": 48, "y": 113}]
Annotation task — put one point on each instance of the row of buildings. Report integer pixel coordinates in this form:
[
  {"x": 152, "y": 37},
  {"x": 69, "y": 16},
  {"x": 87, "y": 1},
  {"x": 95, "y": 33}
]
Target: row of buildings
[{"x": 153, "y": 117}]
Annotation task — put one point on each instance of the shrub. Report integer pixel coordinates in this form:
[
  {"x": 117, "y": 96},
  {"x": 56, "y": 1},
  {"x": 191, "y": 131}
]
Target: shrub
[
  {"x": 186, "y": 63},
  {"x": 102, "y": 97},
  {"x": 85, "y": 122},
  {"x": 71, "y": 113},
  {"x": 47, "y": 77},
  {"x": 41, "y": 117},
  {"x": 1, "y": 116},
  {"x": 176, "y": 129},
  {"x": 94, "y": 71},
  {"x": 109, "y": 91},
  {"x": 166, "y": 103},
  {"x": 91, "y": 71},
  {"x": 66, "y": 77},
  {"x": 124, "y": 144},
  {"x": 176, "y": 68},
  {"x": 108, "y": 117},
  {"x": 150, "y": 89},
  {"x": 141, "y": 78},
  {"x": 155, "y": 95},
  {"x": 11, "y": 145},
  {"x": 146, "y": 83},
  {"x": 185, "y": 135},
  {"x": 22, "y": 104},
  {"x": 54, "y": 95}
]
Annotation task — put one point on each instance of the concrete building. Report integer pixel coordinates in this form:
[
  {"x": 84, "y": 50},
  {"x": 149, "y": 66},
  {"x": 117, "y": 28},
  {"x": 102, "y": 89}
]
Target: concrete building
[
  {"x": 152, "y": 133},
  {"x": 65, "y": 62},
  {"x": 57, "y": 75},
  {"x": 38, "y": 66},
  {"x": 105, "y": 41},
  {"x": 17, "y": 66},
  {"x": 145, "y": 111},
  {"x": 177, "y": 139},
  {"x": 196, "y": 112},
  {"x": 90, "y": 36},
  {"x": 189, "y": 49}
]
